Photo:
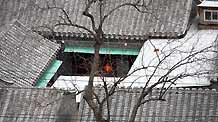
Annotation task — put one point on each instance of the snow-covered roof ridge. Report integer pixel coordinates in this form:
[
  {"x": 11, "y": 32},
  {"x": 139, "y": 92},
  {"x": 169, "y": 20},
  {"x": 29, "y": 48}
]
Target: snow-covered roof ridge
[{"x": 209, "y": 3}]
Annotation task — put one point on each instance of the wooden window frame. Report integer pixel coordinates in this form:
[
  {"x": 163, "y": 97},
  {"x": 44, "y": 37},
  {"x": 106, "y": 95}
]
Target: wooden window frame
[{"x": 211, "y": 16}]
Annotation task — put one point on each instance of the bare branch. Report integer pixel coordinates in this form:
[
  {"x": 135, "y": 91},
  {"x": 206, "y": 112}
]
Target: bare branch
[
  {"x": 67, "y": 20},
  {"x": 187, "y": 60},
  {"x": 105, "y": 86},
  {"x": 75, "y": 25},
  {"x": 135, "y": 5},
  {"x": 97, "y": 98},
  {"x": 151, "y": 99},
  {"x": 86, "y": 13}
]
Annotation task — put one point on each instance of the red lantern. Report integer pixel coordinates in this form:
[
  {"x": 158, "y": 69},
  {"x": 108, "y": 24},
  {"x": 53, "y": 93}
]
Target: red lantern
[{"x": 107, "y": 68}]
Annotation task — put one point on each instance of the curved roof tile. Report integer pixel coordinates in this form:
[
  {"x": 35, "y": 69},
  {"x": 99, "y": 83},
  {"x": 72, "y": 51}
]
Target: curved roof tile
[
  {"x": 24, "y": 55},
  {"x": 161, "y": 18}
]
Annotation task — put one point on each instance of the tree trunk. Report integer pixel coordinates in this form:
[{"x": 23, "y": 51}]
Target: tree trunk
[
  {"x": 136, "y": 107},
  {"x": 94, "y": 68},
  {"x": 89, "y": 90},
  {"x": 95, "y": 64},
  {"x": 99, "y": 118},
  {"x": 133, "y": 113}
]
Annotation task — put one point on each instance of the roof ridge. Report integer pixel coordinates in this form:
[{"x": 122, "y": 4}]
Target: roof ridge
[{"x": 99, "y": 87}]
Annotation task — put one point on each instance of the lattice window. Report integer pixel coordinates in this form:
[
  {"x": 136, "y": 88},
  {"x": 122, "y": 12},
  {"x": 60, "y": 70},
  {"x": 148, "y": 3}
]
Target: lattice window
[{"x": 211, "y": 15}]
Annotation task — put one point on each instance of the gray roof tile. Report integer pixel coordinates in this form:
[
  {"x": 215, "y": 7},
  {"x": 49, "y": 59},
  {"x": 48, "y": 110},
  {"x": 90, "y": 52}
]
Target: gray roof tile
[
  {"x": 36, "y": 105},
  {"x": 164, "y": 18},
  {"x": 24, "y": 54},
  {"x": 5, "y": 84},
  {"x": 181, "y": 105}
]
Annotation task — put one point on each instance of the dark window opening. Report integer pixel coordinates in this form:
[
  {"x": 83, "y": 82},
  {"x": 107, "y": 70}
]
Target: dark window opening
[
  {"x": 79, "y": 64},
  {"x": 207, "y": 15},
  {"x": 211, "y": 15},
  {"x": 214, "y": 15}
]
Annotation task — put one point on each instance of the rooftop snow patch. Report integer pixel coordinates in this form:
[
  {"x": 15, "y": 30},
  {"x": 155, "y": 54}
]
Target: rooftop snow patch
[
  {"x": 192, "y": 55},
  {"x": 209, "y": 4}
]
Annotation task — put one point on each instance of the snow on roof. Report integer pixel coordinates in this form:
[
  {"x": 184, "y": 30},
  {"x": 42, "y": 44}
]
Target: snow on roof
[
  {"x": 154, "y": 50},
  {"x": 79, "y": 82},
  {"x": 209, "y": 4}
]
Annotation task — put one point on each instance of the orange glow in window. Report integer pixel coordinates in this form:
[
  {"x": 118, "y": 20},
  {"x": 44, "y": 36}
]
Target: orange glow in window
[{"x": 107, "y": 68}]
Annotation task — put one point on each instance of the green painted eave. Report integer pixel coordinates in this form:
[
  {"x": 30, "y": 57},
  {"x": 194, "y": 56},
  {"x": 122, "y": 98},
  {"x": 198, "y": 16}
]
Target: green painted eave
[
  {"x": 48, "y": 73},
  {"x": 113, "y": 51}
]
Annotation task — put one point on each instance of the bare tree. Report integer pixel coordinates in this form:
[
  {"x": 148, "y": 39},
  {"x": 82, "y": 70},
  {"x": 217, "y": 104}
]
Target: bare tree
[
  {"x": 172, "y": 62},
  {"x": 162, "y": 56}
]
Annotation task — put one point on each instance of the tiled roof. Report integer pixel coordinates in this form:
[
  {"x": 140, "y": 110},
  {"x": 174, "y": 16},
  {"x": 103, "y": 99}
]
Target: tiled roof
[
  {"x": 163, "y": 18},
  {"x": 5, "y": 84},
  {"x": 24, "y": 55},
  {"x": 181, "y": 105},
  {"x": 36, "y": 105}
]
